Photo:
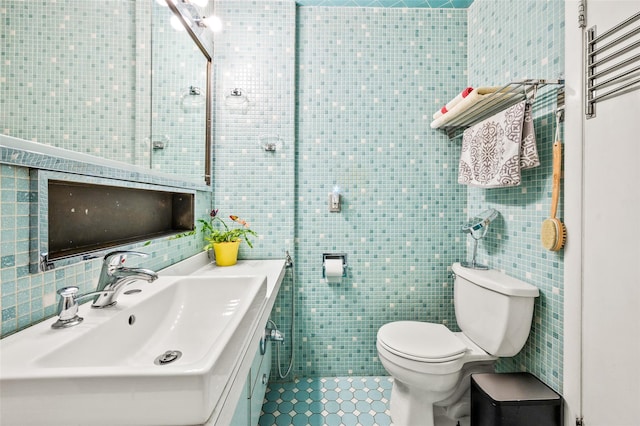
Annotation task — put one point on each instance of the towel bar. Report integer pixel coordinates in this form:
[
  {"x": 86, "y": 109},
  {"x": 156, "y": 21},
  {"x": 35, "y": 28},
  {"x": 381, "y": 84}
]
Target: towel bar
[
  {"x": 620, "y": 65},
  {"x": 504, "y": 97}
]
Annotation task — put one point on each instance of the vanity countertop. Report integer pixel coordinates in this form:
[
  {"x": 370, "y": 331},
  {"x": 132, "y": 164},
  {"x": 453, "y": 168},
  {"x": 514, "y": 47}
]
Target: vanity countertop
[{"x": 201, "y": 265}]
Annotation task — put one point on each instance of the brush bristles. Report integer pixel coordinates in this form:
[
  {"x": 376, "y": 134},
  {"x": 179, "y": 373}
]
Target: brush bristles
[
  {"x": 553, "y": 234},
  {"x": 562, "y": 237}
]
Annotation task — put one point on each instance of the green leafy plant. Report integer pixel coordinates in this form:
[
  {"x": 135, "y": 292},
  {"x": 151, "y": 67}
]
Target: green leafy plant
[{"x": 214, "y": 233}]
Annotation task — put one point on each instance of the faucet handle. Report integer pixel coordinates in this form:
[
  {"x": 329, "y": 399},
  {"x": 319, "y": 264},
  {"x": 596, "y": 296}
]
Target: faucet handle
[
  {"x": 66, "y": 292},
  {"x": 118, "y": 257}
]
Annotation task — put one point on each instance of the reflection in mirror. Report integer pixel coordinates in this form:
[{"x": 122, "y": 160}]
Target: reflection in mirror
[
  {"x": 179, "y": 84},
  {"x": 67, "y": 80},
  {"x": 70, "y": 81}
]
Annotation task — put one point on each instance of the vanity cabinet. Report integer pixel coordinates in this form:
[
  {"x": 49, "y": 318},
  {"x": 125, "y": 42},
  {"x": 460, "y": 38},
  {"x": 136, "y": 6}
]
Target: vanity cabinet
[
  {"x": 249, "y": 406},
  {"x": 259, "y": 378},
  {"x": 243, "y": 409}
]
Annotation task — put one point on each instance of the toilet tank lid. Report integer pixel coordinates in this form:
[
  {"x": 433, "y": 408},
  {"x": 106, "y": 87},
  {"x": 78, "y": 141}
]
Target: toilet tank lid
[{"x": 495, "y": 280}]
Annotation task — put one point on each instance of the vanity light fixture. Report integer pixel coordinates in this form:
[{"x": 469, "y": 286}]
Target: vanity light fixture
[
  {"x": 214, "y": 23},
  {"x": 191, "y": 11},
  {"x": 200, "y": 3},
  {"x": 176, "y": 24},
  {"x": 192, "y": 15}
]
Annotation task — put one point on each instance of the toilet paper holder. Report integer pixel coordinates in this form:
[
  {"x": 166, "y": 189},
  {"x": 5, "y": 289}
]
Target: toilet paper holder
[{"x": 334, "y": 256}]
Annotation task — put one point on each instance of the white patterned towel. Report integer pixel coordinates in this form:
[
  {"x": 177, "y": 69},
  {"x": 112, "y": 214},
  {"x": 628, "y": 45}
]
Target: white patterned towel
[{"x": 495, "y": 150}]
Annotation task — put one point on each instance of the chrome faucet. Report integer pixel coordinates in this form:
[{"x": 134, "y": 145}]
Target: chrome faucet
[{"x": 114, "y": 277}]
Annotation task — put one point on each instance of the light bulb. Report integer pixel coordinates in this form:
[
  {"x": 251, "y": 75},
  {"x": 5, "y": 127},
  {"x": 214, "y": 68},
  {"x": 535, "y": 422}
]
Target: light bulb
[
  {"x": 214, "y": 23},
  {"x": 176, "y": 24}
]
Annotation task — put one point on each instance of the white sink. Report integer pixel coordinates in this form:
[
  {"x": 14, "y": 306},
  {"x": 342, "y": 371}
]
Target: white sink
[{"x": 102, "y": 371}]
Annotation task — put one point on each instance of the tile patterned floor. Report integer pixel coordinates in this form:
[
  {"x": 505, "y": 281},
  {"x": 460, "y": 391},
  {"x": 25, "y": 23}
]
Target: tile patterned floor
[{"x": 334, "y": 401}]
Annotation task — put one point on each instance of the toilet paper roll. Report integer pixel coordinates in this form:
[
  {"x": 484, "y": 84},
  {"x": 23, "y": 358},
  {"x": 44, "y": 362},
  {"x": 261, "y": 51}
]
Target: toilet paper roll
[{"x": 333, "y": 270}]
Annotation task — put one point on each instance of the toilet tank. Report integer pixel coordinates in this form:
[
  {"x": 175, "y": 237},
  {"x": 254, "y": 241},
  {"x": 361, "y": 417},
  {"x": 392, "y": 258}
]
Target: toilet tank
[{"x": 494, "y": 310}]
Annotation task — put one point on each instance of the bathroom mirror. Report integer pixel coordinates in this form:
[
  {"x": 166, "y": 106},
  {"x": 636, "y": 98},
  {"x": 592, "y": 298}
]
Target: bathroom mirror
[
  {"x": 180, "y": 93},
  {"x": 107, "y": 79}
]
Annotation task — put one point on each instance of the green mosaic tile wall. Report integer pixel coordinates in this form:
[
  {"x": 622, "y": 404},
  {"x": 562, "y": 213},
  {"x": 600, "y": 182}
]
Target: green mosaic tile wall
[
  {"x": 364, "y": 95},
  {"x": 368, "y": 82},
  {"x": 256, "y": 54},
  {"x": 69, "y": 73},
  {"x": 507, "y": 44},
  {"x": 335, "y": 326}
]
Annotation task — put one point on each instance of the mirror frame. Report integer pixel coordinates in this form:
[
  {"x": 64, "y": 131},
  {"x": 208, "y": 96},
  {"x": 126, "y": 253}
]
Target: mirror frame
[{"x": 205, "y": 44}]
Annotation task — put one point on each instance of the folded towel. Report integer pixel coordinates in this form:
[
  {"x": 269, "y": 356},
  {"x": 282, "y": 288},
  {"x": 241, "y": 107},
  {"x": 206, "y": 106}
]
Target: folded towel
[
  {"x": 475, "y": 96},
  {"x": 453, "y": 102},
  {"x": 492, "y": 150}
]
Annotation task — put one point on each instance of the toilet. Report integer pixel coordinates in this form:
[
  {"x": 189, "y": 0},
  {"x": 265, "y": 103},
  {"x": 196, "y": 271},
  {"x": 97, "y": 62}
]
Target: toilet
[{"x": 431, "y": 365}]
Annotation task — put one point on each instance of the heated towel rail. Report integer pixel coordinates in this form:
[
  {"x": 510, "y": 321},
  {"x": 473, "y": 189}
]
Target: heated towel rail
[
  {"x": 506, "y": 96},
  {"x": 612, "y": 65}
]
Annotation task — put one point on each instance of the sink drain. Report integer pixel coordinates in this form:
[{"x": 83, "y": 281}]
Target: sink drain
[{"x": 168, "y": 357}]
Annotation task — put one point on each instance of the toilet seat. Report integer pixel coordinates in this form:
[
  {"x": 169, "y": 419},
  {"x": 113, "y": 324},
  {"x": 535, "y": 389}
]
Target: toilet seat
[{"x": 421, "y": 341}]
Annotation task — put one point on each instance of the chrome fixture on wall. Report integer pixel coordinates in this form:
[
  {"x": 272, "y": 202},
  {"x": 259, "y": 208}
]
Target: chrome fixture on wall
[
  {"x": 334, "y": 267},
  {"x": 237, "y": 101},
  {"x": 478, "y": 226},
  {"x": 335, "y": 200},
  {"x": 612, "y": 63},
  {"x": 191, "y": 98},
  {"x": 274, "y": 334},
  {"x": 270, "y": 143}
]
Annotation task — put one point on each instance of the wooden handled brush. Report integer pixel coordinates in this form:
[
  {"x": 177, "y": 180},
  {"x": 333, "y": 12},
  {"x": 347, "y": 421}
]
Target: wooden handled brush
[{"x": 554, "y": 233}]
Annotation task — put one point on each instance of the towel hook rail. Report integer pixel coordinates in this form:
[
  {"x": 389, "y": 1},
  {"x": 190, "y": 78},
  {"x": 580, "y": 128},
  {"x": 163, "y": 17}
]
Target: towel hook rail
[
  {"x": 503, "y": 97},
  {"x": 612, "y": 62}
]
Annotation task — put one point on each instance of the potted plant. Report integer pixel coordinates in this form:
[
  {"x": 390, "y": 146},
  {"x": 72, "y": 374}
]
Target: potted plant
[{"x": 225, "y": 241}]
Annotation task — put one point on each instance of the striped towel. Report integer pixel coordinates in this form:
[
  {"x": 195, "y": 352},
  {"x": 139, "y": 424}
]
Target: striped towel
[
  {"x": 453, "y": 102},
  {"x": 475, "y": 96}
]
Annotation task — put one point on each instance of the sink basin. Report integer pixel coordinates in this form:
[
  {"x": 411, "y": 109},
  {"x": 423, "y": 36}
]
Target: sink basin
[{"x": 161, "y": 356}]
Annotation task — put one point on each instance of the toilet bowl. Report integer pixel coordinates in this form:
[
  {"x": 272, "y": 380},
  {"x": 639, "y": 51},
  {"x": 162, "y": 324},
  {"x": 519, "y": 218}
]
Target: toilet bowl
[{"x": 431, "y": 365}]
